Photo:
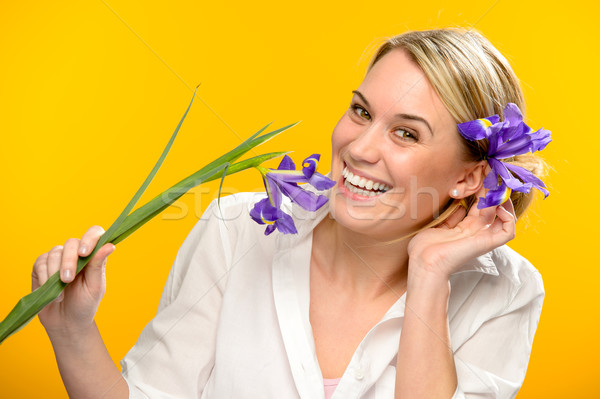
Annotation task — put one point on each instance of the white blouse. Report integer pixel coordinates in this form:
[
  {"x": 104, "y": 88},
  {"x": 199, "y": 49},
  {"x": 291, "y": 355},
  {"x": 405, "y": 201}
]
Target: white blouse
[{"x": 233, "y": 320}]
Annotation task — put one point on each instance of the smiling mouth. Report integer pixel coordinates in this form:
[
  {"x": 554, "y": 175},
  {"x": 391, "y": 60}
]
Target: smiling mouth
[{"x": 363, "y": 186}]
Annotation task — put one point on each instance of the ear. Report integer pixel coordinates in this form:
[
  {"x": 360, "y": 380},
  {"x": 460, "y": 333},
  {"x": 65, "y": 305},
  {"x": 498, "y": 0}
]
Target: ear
[{"x": 471, "y": 180}]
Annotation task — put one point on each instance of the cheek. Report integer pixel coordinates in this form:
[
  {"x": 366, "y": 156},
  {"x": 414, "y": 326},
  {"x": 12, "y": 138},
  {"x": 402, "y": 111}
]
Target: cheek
[
  {"x": 336, "y": 137},
  {"x": 342, "y": 135},
  {"x": 432, "y": 188}
]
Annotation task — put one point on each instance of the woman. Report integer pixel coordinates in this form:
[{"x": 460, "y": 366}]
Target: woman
[{"x": 401, "y": 292}]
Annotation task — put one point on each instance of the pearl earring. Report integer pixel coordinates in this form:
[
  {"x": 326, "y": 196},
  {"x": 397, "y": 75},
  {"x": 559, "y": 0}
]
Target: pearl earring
[{"x": 454, "y": 193}]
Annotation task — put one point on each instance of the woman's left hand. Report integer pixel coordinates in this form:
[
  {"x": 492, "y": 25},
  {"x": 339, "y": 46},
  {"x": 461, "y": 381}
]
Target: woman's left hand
[{"x": 442, "y": 250}]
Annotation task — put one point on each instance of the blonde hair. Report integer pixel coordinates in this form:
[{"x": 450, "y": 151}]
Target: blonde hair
[{"x": 473, "y": 80}]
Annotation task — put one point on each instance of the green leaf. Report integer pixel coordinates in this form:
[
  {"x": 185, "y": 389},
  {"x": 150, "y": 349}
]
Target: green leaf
[
  {"x": 221, "y": 187},
  {"x": 141, "y": 215},
  {"x": 208, "y": 173},
  {"x": 33, "y": 303},
  {"x": 30, "y": 305}
]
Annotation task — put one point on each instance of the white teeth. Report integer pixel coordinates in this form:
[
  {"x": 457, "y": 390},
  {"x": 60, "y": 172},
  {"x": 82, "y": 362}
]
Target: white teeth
[
  {"x": 358, "y": 191},
  {"x": 353, "y": 182}
]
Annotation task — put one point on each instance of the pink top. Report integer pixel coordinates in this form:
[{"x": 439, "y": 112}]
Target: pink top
[{"x": 330, "y": 385}]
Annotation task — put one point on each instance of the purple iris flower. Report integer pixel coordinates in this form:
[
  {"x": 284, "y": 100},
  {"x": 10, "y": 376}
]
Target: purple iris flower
[
  {"x": 284, "y": 181},
  {"x": 265, "y": 213},
  {"x": 506, "y": 139}
]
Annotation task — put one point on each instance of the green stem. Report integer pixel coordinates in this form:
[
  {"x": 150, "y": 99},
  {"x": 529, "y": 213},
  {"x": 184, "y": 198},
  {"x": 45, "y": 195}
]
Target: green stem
[{"x": 30, "y": 305}]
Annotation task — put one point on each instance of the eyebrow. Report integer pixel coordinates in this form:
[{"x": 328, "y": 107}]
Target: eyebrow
[{"x": 401, "y": 115}]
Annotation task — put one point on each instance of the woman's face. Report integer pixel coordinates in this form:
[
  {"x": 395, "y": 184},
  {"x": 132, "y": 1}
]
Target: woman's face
[{"x": 396, "y": 152}]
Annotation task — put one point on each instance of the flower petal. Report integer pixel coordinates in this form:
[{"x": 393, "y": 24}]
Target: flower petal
[
  {"x": 509, "y": 132},
  {"x": 491, "y": 180},
  {"x": 309, "y": 165},
  {"x": 528, "y": 178},
  {"x": 286, "y": 164},
  {"x": 285, "y": 224},
  {"x": 512, "y": 114},
  {"x": 284, "y": 181},
  {"x": 518, "y": 146},
  {"x": 507, "y": 139},
  {"x": 321, "y": 182},
  {"x": 494, "y": 197},
  {"x": 306, "y": 199},
  {"x": 275, "y": 218},
  {"x": 255, "y": 213},
  {"x": 263, "y": 212},
  {"x": 317, "y": 180},
  {"x": 507, "y": 178},
  {"x": 477, "y": 129},
  {"x": 294, "y": 176},
  {"x": 272, "y": 189},
  {"x": 540, "y": 139}
]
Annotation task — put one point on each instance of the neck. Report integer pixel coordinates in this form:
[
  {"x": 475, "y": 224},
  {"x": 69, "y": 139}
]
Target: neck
[{"x": 365, "y": 267}]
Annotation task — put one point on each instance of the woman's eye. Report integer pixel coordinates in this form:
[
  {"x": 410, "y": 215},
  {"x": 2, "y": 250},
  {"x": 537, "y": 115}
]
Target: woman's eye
[
  {"x": 405, "y": 134},
  {"x": 360, "y": 111}
]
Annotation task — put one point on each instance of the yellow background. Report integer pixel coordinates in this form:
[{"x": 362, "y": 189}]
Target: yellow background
[{"x": 90, "y": 92}]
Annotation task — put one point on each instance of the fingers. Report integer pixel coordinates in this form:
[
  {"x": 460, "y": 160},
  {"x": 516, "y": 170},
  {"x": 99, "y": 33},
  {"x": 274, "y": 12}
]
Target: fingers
[
  {"x": 68, "y": 264},
  {"x": 509, "y": 206},
  {"x": 479, "y": 219},
  {"x": 99, "y": 258},
  {"x": 94, "y": 271},
  {"x": 53, "y": 263},
  {"x": 454, "y": 219},
  {"x": 89, "y": 240},
  {"x": 483, "y": 216},
  {"x": 63, "y": 259},
  {"x": 475, "y": 211},
  {"x": 487, "y": 216},
  {"x": 45, "y": 266},
  {"x": 74, "y": 248},
  {"x": 506, "y": 219},
  {"x": 39, "y": 275}
]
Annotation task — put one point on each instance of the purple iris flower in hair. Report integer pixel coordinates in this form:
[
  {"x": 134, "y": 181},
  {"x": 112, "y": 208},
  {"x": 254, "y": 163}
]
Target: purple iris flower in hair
[
  {"x": 284, "y": 181},
  {"x": 506, "y": 139}
]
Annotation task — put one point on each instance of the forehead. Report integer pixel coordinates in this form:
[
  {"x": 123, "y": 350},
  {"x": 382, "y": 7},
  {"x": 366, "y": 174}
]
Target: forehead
[{"x": 397, "y": 84}]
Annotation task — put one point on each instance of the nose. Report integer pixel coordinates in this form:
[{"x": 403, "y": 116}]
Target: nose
[{"x": 366, "y": 147}]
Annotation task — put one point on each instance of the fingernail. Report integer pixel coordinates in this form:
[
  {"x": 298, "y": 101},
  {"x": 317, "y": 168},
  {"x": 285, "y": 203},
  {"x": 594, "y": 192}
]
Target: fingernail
[
  {"x": 60, "y": 297},
  {"x": 82, "y": 250},
  {"x": 67, "y": 275}
]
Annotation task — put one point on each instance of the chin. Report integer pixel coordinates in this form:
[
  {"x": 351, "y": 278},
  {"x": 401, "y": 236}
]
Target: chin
[
  {"x": 364, "y": 217},
  {"x": 383, "y": 219}
]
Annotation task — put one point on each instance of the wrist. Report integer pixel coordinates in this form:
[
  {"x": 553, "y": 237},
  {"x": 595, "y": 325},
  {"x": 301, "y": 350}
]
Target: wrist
[
  {"x": 72, "y": 336},
  {"x": 427, "y": 283},
  {"x": 422, "y": 274}
]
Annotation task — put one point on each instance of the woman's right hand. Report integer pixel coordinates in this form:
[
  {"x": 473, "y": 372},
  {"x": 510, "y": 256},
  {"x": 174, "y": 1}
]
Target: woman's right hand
[{"x": 76, "y": 306}]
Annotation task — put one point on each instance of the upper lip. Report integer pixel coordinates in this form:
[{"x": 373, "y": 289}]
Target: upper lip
[{"x": 365, "y": 175}]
